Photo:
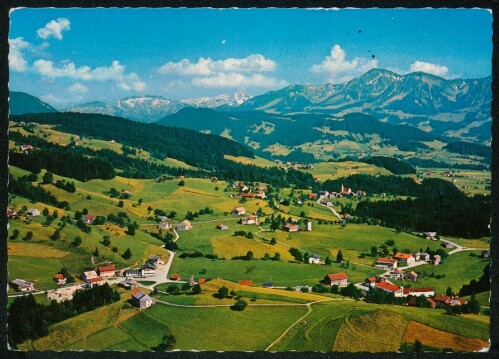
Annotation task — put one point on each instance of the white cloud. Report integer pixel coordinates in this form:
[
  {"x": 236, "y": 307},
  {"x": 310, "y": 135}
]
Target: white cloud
[
  {"x": 185, "y": 67},
  {"x": 115, "y": 73},
  {"x": 235, "y": 80},
  {"x": 54, "y": 29},
  {"x": 229, "y": 72},
  {"x": 17, "y": 62},
  {"x": 429, "y": 68},
  {"x": 338, "y": 69},
  {"x": 77, "y": 89},
  {"x": 208, "y": 67}
]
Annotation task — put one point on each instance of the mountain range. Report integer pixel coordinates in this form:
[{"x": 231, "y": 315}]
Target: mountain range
[
  {"x": 456, "y": 108},
  {"x": 152, "y": 108}
]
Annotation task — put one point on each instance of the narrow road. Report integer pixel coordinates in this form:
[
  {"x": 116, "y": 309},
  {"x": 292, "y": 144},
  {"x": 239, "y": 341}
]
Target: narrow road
[{"x": 330, "y": 208}]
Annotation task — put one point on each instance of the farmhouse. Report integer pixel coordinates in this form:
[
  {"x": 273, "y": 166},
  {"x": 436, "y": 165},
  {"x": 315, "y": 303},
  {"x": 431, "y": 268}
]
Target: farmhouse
[
  {"x": 340, "y": 279},
  {"x": 315, "y": 259},
  {"x": 60, "y": 279},
  {"x": 386, "y": 263},
  {"x": 11, "y": 213},
  {"x": 91, "y": 282},
  {"x": 312, "y": 195},
  {"x": 445, "y": 301},
  {"x": 33, "y": 212},
  {"x": 164, "y": 225},
  {"x": 25, "y": 148},
  {"x": 430, "y": 235},
  {"x": 89, "y": 219},
  {"x": 132, "y": 273},
  {"x": 147, "y": 272},
  {"x": 413, "y": 276},
  {"x": 185, "y": 225},
  {"x": 107, "y": 271},
  {"x": 128, "y": 283},
  {"x": 141, "y": 299},
  {"x": 156, "y": 260},
  {"x": 239, "y": 211},
  {"x": 222, "y": 227},
  {"x": 89, "y": 275},
  {"x": 396, "y": 273},
  {"x": 247, "y": 282},
  {"x": 291, "y": 227},
  {"x": 427, "y": 292},
  {"x": 436, "y": 259},
  {"x": 248, "y": 220},
  {"x": 405, "y": 258},
  {"x": 22, "y": 285},
  {"x": 345, "y": 190},
  {"x": 391, "y": 288},
  {"x": 447, "y": 244},
  {"x": 422, "y": 256}
]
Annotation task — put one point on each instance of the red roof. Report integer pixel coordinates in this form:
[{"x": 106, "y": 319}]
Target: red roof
[
  {"x": 388, "y": 287},
  {"x": 95, "y": 279},
  {"x": 432, "y": 302},
  {"x": 417, "y": 290},
  {"x": 91, "y": 217},
  {"x": 135, "y": 291},
  {"x": 441, "y": 298},
  {"x": 175, "y": 276},
  {"x": 386, "y": 260},
  {"x": 201, "y": 280},
  {"x": 371, "y": 279},
  {"x": 245, "y": 282},
  {"x": 402, "y": 256},
  {"x": 107, "y": 269},
  {"x": 59, "y": 276},
  {"x": 337, "y": 276}
]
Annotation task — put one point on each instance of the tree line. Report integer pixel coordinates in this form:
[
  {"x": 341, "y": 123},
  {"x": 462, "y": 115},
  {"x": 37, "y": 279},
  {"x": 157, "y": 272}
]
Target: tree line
[
  {"x": 28, "y": 319},
  {"x": 23, "y": 187}
]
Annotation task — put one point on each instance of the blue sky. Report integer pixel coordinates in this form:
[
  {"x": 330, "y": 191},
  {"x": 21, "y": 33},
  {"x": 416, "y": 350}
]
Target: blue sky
[{"x": 68, "y": 56}]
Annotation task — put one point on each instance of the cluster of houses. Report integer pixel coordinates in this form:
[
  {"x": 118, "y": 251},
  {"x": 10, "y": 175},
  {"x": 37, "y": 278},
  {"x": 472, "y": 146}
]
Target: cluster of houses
[
  {"x": 293, "y": 227},
  {"x": 240, "y": 211},
  {"x": 344, "y": 192},
  {"x": 294, "y": 165},
  {"x": 97, "y": 277},
  {"x": 407, "y": 259},
  {"x": 185, "y": 225},
  {"x": 148, "y": 269},
  {"x": 247, "y": 191}
]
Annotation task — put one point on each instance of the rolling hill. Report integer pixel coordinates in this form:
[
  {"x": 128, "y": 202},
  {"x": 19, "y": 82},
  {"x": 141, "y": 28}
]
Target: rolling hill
[{"x": 21, "y": 103}]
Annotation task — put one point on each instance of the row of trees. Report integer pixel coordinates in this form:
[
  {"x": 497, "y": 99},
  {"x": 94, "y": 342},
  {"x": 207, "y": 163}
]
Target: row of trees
[{"x": 25, "y": 188}]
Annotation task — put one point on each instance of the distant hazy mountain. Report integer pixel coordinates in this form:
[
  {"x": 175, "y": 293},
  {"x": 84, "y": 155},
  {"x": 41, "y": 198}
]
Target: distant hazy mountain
[
  {"x": 153, "y": 108},
  {"x": 21, "y": 103},
  {"x": 137, "y": 108},
  {"x": 224, "y": 100}
]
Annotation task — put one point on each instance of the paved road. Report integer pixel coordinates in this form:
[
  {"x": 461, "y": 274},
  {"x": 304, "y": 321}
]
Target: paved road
[{"x": 330, "y": 208}]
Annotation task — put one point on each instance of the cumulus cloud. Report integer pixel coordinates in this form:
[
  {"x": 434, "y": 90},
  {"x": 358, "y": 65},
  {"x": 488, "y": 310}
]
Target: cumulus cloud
[
  {"x": 115, "y": 72},
  {"x": 338, "y": 69},
  {"x": 77, "y": 89},
  {"x": 17, "y": 62},
  {"x": 54, "y": 29},
  {"x": 209, "y": 67},
  {"x": 229, "y": 72},
  {"x": 429, "y": 68},
  {"x": 235, "y": 80}
]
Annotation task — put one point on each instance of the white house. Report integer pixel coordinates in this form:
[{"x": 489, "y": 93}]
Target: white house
[
  {"x": 185, "y": 225},
  {"x": 89, "y": 275},
  {"x": 315, "y": 259},
  {"x": 386, "y": 263},
  {"x": 340, "y": 279},
  {"x": 164, "y": 225},
  {"x": 33, "y": 212},
  {"x": 239, "y": 211}
]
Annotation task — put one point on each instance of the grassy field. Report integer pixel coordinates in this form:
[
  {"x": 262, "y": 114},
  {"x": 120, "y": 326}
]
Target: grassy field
[
  {"x": 439, "y": 339},
  {"x": 362, "y": 334},
  {"x": 257, "y": 161},
  {"x": 333, "y": 170},
  {"x": 459, "y": 269},
  {"x": 279, "y": 273}
]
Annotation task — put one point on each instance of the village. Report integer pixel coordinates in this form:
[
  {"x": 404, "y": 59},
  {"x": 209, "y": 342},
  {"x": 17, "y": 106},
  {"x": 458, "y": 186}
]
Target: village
[{"x": 401, "y": 266}]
